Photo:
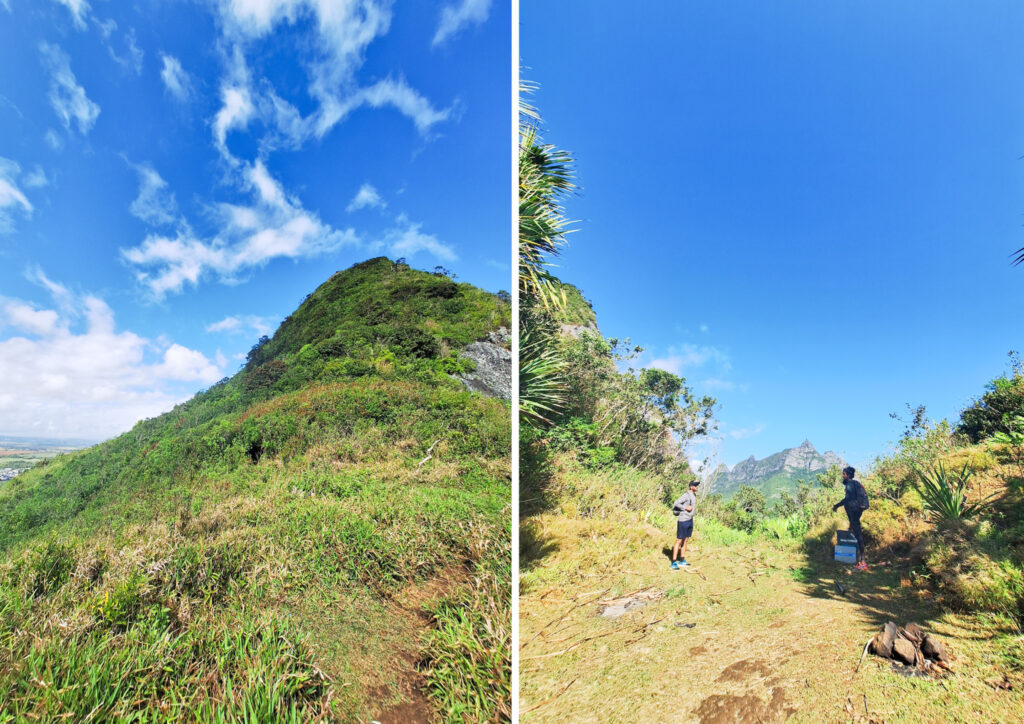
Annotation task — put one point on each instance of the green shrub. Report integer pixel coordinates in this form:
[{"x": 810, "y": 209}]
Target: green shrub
[{"x": 1003, "y": 399}]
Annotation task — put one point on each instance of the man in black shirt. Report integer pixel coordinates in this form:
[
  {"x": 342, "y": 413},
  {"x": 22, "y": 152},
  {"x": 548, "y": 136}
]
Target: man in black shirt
[{"x": 855, "y": 503}]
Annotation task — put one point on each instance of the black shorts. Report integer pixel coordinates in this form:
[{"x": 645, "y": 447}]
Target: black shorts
[{"x": 684, "y": 528}]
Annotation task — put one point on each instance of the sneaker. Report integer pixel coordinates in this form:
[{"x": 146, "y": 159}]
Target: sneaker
[
  {"x": 683, "y": 562},
  {"x": 675, "y": 565},
  {"x": 862, "y": 566}
]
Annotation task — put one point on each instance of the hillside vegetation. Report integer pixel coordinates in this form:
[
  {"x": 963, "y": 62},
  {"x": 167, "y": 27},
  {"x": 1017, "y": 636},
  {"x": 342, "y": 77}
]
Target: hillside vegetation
[{"x": 323, "y": 535}]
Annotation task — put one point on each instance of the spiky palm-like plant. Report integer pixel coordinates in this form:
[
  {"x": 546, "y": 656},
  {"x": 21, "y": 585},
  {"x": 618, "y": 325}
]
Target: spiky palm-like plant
[
  {"x": 541, "y": 382},
  {"x": 945, "y": 493},
  {"x": 546, "y": 177}
]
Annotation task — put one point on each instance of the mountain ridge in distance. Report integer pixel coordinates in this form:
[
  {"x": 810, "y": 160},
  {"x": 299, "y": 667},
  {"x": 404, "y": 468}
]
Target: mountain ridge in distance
[{"x": 774, "y": 473}]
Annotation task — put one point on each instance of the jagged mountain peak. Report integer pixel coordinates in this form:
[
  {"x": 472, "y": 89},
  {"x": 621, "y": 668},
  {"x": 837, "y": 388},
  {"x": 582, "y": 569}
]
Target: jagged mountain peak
[{"x": 776, "y": 472}]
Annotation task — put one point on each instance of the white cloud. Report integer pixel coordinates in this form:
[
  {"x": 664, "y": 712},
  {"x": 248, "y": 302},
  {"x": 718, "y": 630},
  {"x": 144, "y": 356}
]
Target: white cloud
[
  {"x": 714, "y": 383},
  {"x": 704, "y": 328},
  {"x": 397, "y": 93},
  {"x": 133, "y": 56},
  {"x": 36, "y": 178},
  {"x": 79, "y": 10},
  {"x": 406, "y": 239},
  {"x": 70, "y": 373},
  {"x": 53, "y": 140},
  {"x": 239, "y": 324},
  {"x": 175, "y": 78},
  {"x": 745, "y": 432},
  {"x": 34, "y": 321},
  {"x": 274, "y": 225},
  {"x": 237, "y": 107},
  {"x": 343, "y": 30},
  {"x": 367, "y": 196},
  {"x": 189, "y": 365},
  {"x": 456, "y": 17},
  {"x": 67, "y": 97},
  {"x": 107, "y": 27},
  {"x": 689, "y": 356},
  {"x": 60, "y": 293},
  {"x": 155, "y": 203},
  {"x": 11, "y": 197}
]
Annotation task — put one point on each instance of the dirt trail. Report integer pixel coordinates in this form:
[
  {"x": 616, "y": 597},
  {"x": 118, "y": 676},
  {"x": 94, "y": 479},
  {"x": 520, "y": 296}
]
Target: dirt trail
[{"x": 742, "y": 636}]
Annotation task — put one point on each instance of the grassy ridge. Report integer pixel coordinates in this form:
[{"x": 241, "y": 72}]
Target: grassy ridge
[{"x": 278, "y": 547}]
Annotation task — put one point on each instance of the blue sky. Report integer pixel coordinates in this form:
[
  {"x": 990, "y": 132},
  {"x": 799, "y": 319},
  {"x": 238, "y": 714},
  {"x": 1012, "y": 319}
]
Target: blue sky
[
  {"x": 807, "y": 209},
  {"x": 175, "y": 176}
]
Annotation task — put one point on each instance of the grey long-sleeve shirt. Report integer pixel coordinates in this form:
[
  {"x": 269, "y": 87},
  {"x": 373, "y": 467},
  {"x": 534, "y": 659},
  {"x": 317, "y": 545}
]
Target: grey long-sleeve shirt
[{"x": 686, "y": 499}]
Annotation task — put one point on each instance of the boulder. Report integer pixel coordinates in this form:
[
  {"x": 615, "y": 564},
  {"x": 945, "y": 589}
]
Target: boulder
[
  {"x": 934, "y": 649},
  {"x": 881, "y": 645},
  {"x": 903, "y": 650}
]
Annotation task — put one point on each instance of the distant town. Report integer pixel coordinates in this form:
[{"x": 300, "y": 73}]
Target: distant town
[{"x": 18, "y": 454}]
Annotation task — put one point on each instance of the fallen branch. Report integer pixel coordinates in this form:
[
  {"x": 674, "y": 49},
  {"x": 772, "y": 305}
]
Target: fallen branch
[
  {"x": 548, "y": 701},
  {"x": 430, "y": 451},
  {"x": 561, "y": 618},
  {"x": 585, "y": 639},
  {"x": 731, "y": 590},
  {"x": 644, "y": 630},
  {"x": 624, "y": 595},
  {"x": 863, "y": 654}
]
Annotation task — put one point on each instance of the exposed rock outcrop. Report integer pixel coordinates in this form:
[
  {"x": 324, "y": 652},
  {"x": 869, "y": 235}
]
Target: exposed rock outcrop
[{"x": 492, "y": 375}]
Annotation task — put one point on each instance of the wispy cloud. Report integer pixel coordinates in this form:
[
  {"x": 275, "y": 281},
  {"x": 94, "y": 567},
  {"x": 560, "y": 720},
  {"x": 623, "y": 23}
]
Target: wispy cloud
[
  {"x": 686, "y": 357},
  {"x": 745, "y": 432},
  {"x": 79, "y": 10},
  {"x": 133, "y": 55},
  {"x": 242, "y": 323},
  {"x": 36, "y": 178},
  {"x": 406, "y": 239},
  {"x": 714, "y": 383},
  {"x": 11, "y": 197},
  {"x": 342, "y": 32},
  {"x": 366, "y": 197},
  {"x": 176, "y": 79},
  {"x": 456, "y": 17},
  {"x": 67, "y": 97},
  {"x": 69, "y": 372},
  {"x": 53, "y": 140},
  {"x": 274, "y": 225},
  {"x": 155, "y": 203}
]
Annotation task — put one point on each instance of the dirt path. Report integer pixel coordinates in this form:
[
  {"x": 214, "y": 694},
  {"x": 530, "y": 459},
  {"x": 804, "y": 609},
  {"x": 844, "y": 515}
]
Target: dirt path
[{"x": 742, "y": 636}]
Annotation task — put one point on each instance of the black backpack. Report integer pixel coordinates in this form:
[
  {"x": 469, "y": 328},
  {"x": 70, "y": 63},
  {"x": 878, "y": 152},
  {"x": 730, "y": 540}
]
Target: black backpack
[{"x": 862, "y": 496}]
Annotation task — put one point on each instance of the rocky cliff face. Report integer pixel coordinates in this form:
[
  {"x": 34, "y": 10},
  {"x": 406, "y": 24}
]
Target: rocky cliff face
[
  {"x": 492, "y": 375},
  {"x": 783, "y": 468}
]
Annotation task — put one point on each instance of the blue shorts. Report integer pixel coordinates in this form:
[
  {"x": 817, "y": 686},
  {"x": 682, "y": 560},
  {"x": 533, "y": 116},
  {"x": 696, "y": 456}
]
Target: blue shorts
[{"x": 684, "y": 529}]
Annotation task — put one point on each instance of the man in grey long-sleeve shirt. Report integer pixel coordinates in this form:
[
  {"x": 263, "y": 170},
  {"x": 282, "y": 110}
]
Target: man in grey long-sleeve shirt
[{"x": 684, "y": 507}]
